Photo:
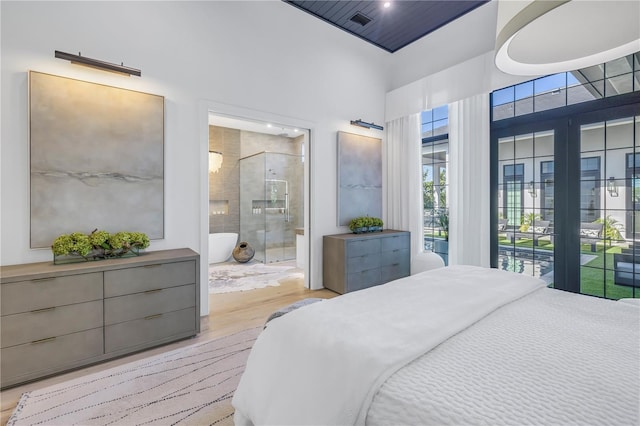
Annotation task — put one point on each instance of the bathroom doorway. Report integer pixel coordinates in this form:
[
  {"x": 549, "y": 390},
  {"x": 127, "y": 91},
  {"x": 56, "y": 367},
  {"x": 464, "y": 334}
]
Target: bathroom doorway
[{"x": 257, "y": 181}]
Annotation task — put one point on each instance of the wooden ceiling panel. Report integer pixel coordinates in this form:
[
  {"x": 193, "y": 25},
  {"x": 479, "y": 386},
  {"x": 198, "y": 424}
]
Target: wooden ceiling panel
[{"x": 390, "y": 28}]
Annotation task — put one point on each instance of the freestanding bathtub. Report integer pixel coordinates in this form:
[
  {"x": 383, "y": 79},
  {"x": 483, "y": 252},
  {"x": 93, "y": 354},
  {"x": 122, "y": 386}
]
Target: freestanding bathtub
[{"x": 221, "y": 246}]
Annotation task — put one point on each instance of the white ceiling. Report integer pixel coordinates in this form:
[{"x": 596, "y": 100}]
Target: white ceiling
[{"x": 254, "y": 126}]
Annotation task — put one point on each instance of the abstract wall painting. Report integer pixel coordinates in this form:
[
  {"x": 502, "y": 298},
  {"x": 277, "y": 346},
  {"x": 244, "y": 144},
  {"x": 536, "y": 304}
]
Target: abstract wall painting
[
  {"x": 359, "y": 177},
  {"x": 96, "y": 159}
]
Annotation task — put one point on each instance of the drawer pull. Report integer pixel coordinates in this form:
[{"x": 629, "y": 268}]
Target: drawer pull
[
  {"x": 48, "y": 339},
  {"x": 153, "y": 266},
  {"x": 150, "y": 317},
  {"x": 395, "y": 264},
  {"x": 37, "y": 311},
  {"x": 39, "y": 280},
  {"x": 153, "y": 291},
  {"x": 396, "y": 250}
]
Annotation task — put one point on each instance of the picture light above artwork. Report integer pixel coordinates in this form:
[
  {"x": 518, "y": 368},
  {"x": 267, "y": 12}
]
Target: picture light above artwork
[
  {"x": 366, "y": 125},
  {"x": 96, "y": 63}
]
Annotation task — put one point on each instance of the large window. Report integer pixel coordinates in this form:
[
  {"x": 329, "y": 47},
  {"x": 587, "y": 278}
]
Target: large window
[
  {"x": 568, "y": 88},
  {"x": 566, "y": 174},
  {"x": 435, "y": 161}
]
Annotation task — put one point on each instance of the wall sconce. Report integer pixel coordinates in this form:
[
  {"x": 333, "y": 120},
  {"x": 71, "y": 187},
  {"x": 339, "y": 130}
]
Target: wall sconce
[
  {"x": 215, "y": 161},
  {"x": 366, "y": 125},
  {"x": 532, "y": 189},
  {"x": 612, "y": 187},
  {"x": 95, "y": 63}
]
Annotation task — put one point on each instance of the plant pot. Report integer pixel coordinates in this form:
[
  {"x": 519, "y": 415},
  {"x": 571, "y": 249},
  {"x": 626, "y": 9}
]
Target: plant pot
[
  {"x": 360, "y": 230},
  {"x": 243, "y": 252},
  {"x": 96, "y": 254}
]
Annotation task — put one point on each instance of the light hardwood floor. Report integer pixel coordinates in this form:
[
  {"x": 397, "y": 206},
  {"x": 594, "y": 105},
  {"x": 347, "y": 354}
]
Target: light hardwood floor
[{"x": 229, "y": 313}]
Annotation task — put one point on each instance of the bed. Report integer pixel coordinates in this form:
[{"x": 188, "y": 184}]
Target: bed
[{"x": 459, "y": 345}]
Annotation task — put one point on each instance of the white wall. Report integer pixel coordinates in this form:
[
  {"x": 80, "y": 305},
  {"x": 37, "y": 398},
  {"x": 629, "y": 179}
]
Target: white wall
[
  {"x": 265, "y": 56},
  {"x": 468, "y": 36}
]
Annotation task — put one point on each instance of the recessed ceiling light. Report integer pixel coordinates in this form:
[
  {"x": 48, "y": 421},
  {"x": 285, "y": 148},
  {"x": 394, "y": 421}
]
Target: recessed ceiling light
[
  {"x": 269, "y": 125},
  {"x": 387, "y": 4}
]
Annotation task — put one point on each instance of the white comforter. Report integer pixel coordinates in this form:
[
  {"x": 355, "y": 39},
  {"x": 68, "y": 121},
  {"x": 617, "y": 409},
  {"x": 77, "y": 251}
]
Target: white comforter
[
  {"x": 324, "y": 363},
  {"x": 550, "y": 358}
]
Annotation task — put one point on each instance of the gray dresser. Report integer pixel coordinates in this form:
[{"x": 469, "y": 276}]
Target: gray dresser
[
  {"x": 355, "y": 261},
  {"x": 59, "y": 317}
]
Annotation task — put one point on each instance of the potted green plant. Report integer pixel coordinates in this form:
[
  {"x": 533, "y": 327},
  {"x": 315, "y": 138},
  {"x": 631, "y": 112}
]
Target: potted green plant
[
  {"x": 359, "y": 225},
  {"x": 611, "y": 229},
  {"x": 79, "y": 247},
  {"x": 375, "y": 224},
  {"x": 362, "y": 224},
  {"x": 527, "y": 220}
]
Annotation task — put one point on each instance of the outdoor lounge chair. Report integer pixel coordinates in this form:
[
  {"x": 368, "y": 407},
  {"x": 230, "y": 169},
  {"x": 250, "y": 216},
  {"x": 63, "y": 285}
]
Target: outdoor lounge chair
[
  {"x": 538, "y": 229},
  {"x": 591, "y": 233},
  {"x": 626, "y": 270},
  {"x": 632, "y": 249}
]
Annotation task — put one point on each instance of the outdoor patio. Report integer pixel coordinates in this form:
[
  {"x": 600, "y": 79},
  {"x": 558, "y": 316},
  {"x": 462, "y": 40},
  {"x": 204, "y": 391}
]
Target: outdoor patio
[{"x": 596, "y": 267}]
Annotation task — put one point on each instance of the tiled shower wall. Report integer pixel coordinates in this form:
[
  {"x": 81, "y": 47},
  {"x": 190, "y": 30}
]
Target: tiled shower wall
[{"x": 224, "y": 186}]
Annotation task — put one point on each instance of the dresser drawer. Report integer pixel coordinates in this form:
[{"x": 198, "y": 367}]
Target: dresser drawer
[
  {"x": 364, "y": 279},
  {"x": 362, "y": 263},
  {"x": 41, "y": 324},
  {"x": 150, "y": 277},
  {"x": 26, "y": 296},
  {"x": 395, "y": 242},
  {"x": 394, "y": 257},
  {"x": 358, "y": 248},
  {"x": 49, "y": 355},
  {"x": 141, "y": 305},
  {"x": 153, "y": 328},
  {"x": 395, "y": 271}
]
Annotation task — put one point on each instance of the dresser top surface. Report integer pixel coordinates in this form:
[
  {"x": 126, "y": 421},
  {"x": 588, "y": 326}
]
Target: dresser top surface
[
  {"x": 352, "y": 236},
  {"x": 26, "y": 271}
]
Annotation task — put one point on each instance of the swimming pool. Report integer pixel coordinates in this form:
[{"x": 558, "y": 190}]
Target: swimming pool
[{"x": 537, "y": 263}]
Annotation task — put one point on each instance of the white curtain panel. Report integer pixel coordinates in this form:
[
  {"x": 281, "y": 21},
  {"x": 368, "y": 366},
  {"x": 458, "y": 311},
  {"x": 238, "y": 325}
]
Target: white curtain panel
[
  {"x": 402, "y": 173},
  {"x": 469, "y": 192}
]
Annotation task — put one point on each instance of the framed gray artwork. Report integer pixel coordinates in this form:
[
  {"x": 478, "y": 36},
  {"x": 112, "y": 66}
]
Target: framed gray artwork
[
  {"x": 359, "y": 177},
  {"x": 96, "y": 159}
]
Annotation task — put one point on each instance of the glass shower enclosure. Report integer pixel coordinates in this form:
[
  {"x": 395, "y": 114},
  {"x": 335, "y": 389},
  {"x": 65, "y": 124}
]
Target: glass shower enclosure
[{"x": 271, "y": 204}]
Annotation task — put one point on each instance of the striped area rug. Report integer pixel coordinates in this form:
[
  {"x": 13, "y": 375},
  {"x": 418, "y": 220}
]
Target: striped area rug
[{"x": 187, "y": 386}]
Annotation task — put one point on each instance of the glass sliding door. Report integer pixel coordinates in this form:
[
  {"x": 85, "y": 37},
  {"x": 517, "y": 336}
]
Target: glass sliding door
[
  {"x": 565, "y": 157},
  {"x": 526, "y": 204},
  {"x": 608, "y": 208}
]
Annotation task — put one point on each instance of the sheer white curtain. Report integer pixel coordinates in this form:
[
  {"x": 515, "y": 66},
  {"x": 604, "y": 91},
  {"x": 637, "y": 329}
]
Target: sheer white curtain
[
  {"x": 402, "y": 168},
  {"x": 469, "y": 166}
]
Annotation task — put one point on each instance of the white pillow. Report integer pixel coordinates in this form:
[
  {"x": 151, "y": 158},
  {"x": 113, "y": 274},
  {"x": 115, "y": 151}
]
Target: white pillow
[{"x": 591, "y": 233}]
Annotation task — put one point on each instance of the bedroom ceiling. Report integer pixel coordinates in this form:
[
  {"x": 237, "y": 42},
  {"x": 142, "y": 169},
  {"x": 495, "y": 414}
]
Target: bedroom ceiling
[{"x": 390, "y": 28}]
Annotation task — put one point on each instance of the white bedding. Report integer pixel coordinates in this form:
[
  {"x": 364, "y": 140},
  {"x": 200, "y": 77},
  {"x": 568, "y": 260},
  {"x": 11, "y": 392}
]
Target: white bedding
[
  {"x": 551, "y": 358},
  {"x": 323, "y": 364},
  {"x": 545, "y": 357}
]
